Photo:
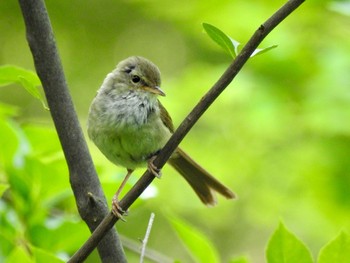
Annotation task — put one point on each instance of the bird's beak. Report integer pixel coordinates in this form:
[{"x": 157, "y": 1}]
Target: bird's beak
[{"x": 155, "y": 89}]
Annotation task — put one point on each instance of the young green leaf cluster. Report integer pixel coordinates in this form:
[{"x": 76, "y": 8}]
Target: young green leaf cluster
[
  {"x": 285, "y": 247},
  {"x": 231, "y": 46}
]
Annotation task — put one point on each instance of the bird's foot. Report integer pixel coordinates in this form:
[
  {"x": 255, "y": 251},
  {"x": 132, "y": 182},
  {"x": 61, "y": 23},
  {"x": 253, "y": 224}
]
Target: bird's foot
[
  {"x": 154, "y": 169},
  {"x": 117, "y": 210}
]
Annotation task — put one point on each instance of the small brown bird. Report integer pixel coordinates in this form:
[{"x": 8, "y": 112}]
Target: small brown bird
[{"x": 130, "y": 126}]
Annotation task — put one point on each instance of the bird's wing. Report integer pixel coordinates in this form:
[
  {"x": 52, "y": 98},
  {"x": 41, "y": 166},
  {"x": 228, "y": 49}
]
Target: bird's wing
[{"x": 166, "y": 119}]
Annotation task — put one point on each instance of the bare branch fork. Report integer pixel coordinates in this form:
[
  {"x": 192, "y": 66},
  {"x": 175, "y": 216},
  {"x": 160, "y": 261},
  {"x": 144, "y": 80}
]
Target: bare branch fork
[
  {"x": 188, "y": 123},
  {"x": 85, "y": 184}
]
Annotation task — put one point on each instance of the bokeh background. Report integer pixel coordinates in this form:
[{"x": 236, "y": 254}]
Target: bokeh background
[{"x": 279, "y": 136}]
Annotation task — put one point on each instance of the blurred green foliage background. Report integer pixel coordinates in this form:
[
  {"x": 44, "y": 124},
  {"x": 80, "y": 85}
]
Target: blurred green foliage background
[{"x": 279, "y": 136}]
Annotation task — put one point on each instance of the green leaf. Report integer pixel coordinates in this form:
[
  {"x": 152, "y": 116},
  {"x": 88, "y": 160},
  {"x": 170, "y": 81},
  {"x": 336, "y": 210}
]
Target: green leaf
[
  {"x": 285, "y": 247},
  {"x": 28, "y": 79},
  {"x": 338, "y": 250},
  {"x": 228, "y": 44},
  {"x": 11, "y": 74},
  {"x": 260, "y": 51},
  {"x": 32, "y": 90},
  {"x": 198, "y": 245}
]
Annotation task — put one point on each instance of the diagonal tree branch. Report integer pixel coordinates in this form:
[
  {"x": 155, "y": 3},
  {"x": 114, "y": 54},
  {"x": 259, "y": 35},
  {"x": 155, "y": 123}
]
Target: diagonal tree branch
[
  {"x": 90, "y": 199},
  {"x": 188, "y": 123}
]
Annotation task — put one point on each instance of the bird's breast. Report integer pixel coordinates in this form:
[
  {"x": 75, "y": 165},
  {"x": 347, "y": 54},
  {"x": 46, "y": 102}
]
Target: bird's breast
[{"x": 127, "y": 129}]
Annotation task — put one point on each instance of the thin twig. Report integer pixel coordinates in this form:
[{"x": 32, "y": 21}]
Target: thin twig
[
  {"x": 86, "y": 186},
  {"x": 145, "y": 240},
  {"x": 189, "y": 121}
]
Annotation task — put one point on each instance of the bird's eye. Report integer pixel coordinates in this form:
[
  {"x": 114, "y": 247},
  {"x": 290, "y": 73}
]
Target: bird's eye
[{"x": 135, "y": 79}]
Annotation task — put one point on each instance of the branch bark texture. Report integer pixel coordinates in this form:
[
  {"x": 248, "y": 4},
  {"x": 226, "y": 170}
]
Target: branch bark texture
[
  {"x": 87, "y": 189},
  {"x": 189, "y": 122}
]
